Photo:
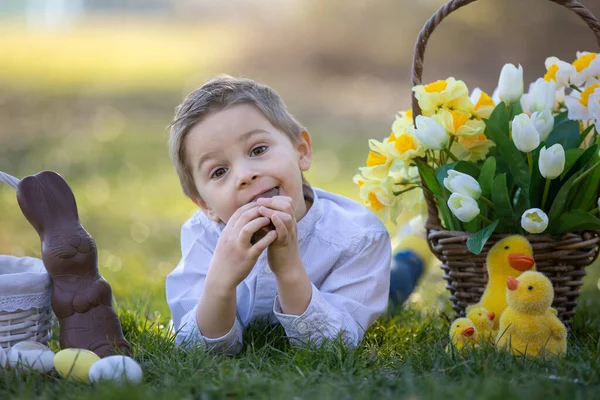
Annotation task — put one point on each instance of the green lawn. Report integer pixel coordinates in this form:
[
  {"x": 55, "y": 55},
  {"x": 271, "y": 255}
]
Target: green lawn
[{"x": 401, "y": 357}]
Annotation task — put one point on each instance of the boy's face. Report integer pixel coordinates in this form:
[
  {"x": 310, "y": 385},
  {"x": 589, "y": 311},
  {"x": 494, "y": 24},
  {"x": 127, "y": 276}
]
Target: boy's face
[{"x": 236, "y": 154}]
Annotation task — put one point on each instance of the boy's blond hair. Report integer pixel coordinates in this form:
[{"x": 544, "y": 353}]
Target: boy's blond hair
[{"x": 215, "y": 95}]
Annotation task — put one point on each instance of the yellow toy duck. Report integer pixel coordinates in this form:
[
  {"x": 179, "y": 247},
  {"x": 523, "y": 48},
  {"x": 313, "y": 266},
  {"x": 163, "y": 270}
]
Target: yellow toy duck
[
  {"x": 509, "y": 257},
  {"x": 484, "y": 323},
  {"x": 529, "y": 325},
  {"x": 463, "y": 334}
]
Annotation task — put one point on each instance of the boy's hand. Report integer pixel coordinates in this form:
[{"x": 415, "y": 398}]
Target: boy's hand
[
  {"x": 283, "y": 252},
  {"x": 234, "y": 255}
]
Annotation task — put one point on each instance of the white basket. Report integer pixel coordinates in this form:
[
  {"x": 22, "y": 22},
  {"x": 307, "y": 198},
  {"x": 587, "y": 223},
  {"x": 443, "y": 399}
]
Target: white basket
[{"x": 25, "y": 295}]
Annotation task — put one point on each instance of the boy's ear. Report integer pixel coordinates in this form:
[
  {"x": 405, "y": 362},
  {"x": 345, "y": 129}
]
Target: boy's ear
[
  {"x": 304, "y": 148},
  {"x": 209, "y": 212}
]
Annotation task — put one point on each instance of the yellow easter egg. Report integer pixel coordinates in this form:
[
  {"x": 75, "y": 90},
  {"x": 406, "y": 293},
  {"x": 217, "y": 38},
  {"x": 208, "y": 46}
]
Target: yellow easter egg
[{"x": 75, "y": 364}]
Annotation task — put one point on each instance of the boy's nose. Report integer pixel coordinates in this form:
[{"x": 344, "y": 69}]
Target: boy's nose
[{"x": 246, "y": 177}]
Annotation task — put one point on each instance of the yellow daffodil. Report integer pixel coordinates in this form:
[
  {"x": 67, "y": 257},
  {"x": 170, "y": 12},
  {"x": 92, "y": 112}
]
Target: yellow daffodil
[
  {"x": 472, "y": 148},
  {"x": 380, "y": 161},
  {"x": 559, "y": 71},
  {"x": 378, "y": 196},
  {"x": 459, "y": 123},
  {"x": 483, "y": 104},
  {"x": 404, "y": 120},
  {"x": 577, "y": 103},
  {"x": 448, "y": 93},
  {"x": 587, "y": 67}
]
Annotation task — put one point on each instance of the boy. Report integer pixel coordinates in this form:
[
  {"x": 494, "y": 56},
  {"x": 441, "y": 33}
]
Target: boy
[{"x": 240, "y": 156}]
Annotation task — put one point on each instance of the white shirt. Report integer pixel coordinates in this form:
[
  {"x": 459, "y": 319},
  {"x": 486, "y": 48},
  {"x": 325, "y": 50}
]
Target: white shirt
[{"x": 346, "y": 251}]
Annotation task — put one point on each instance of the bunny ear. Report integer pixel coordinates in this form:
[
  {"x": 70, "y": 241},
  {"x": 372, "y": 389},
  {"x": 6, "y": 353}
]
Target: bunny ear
[
  {"x": 46, "y": 201},
  {"x": 9, "y": 180}
]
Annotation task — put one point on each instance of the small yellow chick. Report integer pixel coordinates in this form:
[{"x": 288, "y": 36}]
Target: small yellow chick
[
  {"x": 463, "y": 334},
  {"x": 484, "y": 323},
  {"x": 511, "y": 256},
  {"x": 529, "y": 324}
]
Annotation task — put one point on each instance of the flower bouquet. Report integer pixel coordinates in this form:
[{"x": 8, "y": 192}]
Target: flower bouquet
[{"x": 489, "y": 166}]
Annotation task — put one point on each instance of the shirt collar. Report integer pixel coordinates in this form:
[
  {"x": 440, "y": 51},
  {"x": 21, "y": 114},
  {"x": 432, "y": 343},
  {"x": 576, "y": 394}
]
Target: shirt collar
[{"x": 314, "y": 213}]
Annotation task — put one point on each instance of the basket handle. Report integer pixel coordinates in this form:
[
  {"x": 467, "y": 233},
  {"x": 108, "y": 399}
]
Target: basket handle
[{"x": 433, "y": 220}]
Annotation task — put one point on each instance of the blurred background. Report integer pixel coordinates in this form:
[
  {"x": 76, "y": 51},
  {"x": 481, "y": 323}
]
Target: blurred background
[{"x": 88, "y": 88}]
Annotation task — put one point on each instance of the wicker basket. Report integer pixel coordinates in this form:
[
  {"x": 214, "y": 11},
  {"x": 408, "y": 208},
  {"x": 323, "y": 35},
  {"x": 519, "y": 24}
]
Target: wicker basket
[
  {"x": 25, "y": 292},
  {"x": 561, "y": 259}
]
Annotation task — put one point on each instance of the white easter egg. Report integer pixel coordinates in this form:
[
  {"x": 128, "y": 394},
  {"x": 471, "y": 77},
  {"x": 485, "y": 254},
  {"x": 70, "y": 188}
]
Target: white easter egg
[
  {"x": 31, "y": 355},
  {"x": 75, "y": 364},
  {"x": 3, "y": 358},
  {"x": 116, "y": 368}
]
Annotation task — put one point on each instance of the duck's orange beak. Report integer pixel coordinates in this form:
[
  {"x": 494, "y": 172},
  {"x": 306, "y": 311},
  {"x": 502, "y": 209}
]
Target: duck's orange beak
[
  {"x": 491, "y": 316},
  {"x": 520, "y": 262},
  {"x": 468, "y": 332},
  {"x": 512, "y": 283}
]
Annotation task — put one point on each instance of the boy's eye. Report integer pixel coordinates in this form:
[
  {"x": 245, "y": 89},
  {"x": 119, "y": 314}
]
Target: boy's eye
[
  {"x": 258, "y": 150},
  {"x": 218, "y": 173}
]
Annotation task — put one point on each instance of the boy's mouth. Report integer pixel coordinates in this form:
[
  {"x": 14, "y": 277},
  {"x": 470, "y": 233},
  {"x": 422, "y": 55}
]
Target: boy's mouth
[{"x": 267, "y": 194}]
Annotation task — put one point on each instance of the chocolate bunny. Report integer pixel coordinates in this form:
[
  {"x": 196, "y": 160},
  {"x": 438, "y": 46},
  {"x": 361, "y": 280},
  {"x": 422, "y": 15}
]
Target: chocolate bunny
[{"x": 81, "y": 298}]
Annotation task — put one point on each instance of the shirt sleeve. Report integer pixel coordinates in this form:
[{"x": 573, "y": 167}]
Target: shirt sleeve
[
  {"x": 350, "y": 299},
  {"x": 185, "y": 285}
]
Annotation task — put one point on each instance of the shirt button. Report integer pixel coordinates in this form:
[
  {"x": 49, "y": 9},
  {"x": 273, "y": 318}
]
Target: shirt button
[{"x": 301, "y": 327}]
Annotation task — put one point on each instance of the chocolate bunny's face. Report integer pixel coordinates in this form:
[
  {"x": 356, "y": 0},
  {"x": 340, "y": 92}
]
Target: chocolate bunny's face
[{"x": 49, "y": 205}]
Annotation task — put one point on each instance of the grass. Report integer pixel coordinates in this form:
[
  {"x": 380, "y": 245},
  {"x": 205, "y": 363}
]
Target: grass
[{"x": 402, "y": 356}]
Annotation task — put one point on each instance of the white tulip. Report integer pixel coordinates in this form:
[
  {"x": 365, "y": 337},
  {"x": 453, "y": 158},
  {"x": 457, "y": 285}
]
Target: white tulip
[
  {"x": 464, "y": 207},
  {"x": 510, "y": 83},
  {"x": 543, "y": 122},
  {"x": 524, "y": 134},
  {"x": 534, "y": 220},
  {"x": 542, "y": 95},
  {"x": 464, "y": 184},
  {"x": 552, "y": 161},
  {"x": 431, "y": 134}
]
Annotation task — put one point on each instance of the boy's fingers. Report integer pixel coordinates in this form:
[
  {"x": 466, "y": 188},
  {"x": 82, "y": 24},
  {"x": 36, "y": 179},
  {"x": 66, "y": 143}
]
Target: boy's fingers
[
  {"x": 263, "y": 243},
  {"x": 279, "y": 203},
  {"x": 236, "y": 215},
  {"x": 282, "y": 230},
  {"x": 246, "y": 217},
  {"x": 252, "y": 227}
]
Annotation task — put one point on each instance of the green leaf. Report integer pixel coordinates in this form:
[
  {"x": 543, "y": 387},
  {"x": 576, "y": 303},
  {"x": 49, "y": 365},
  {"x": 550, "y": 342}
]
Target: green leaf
[
  {"x": 571, "y": 157},
  {"x": 577, "y": 221},
  {"x": 428, "y": 175},
  {"x": 515, "y": 109},
  {"x": 559, "y": 203},
  {"x": 587, "y": 190},
  {"x": 497, "y": 131},
  {"x": 500, "y": 197},
  {"x": 566, "y": 132},
  {"x": 476, "y": 242},
  {"x": 536, "y": 188},
  {"x": 486, "y": 176},
  {"x": 467, "y": 168},
  {"x": 581, "y": 162}
]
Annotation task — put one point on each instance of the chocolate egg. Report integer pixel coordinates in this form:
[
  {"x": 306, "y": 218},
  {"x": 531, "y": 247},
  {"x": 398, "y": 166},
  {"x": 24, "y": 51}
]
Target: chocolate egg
[
  {"x": 262, "y": 232},
  {"x": 75, "y": 364}
]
